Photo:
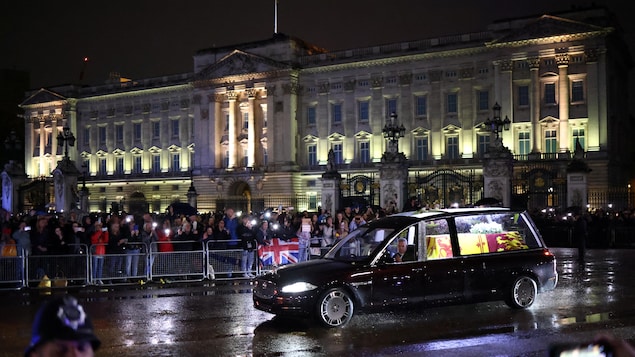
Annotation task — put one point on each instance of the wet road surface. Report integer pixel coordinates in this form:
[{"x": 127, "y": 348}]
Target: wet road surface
[{"x": 207, "y": 319}]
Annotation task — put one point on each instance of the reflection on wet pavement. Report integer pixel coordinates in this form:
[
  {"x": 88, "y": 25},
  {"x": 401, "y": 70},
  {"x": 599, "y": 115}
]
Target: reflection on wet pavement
[{"x": 218, "y": 319}]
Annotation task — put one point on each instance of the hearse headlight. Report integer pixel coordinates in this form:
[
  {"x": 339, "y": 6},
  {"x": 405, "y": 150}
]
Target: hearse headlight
[{"x": 298, "y": 287}]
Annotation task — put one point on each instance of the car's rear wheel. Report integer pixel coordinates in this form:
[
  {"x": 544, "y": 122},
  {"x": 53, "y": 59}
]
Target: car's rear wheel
[
  {"x": 523, "y": 293},
  {"x": 335, "y": 308}
]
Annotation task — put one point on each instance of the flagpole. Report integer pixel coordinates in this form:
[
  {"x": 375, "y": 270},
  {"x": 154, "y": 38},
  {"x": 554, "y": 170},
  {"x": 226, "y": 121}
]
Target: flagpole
[{"x": 275, "y": 16}]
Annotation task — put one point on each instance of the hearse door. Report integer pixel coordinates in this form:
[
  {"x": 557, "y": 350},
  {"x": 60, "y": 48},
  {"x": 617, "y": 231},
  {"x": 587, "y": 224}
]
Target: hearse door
[
  {"x": 398, "y": 283},
  {"x": 441, "y": 278}
]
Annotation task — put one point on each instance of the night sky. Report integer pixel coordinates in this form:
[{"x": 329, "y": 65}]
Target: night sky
[{"x": 141, "y": 39}]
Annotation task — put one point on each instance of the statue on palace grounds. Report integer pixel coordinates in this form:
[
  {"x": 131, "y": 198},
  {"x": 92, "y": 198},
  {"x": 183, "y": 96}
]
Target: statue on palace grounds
[{"x": 330, "y": 162}]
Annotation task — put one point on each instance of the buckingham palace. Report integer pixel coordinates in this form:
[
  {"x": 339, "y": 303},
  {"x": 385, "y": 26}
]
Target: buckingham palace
[{"x": 258, "y": 124}]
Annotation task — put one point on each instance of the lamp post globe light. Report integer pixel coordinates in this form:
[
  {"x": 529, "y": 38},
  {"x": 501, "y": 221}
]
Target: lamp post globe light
[
  {"x": 393, "y": 133},
  {"x": 66, "y": 138},
  {"x": 496, "y": 125}
]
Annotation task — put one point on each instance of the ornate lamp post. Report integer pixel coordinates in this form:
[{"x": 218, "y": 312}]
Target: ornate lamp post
[
  {"x": 393, "y": 170},
  {"x": 496, "y": 125},
  {"x": 13, "y": 146},
  {"x": 393, "y": 132},
  {"x": 66, "y": 138}
]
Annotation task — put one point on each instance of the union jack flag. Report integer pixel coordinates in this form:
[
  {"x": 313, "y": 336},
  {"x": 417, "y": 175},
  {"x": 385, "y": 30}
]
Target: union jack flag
[{"x": 279, "y": 252}]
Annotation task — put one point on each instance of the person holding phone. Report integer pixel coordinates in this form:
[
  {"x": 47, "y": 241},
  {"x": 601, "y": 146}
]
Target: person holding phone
[
  {"x": 117, "y": 240},
  {"x": 99, "y": 240},
  {"x": 133, "y": 249}
]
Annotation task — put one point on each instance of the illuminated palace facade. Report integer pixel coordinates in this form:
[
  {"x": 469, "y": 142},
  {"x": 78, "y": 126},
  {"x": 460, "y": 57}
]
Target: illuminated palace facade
[{"x": 255, "y": 122}]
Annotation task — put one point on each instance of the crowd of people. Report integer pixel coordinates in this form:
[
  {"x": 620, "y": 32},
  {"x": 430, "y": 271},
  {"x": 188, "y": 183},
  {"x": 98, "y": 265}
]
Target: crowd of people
[{"x": 122, "y": 237}]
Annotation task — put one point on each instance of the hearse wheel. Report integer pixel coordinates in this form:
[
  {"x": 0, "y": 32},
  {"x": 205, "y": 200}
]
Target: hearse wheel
[
  {"x": 523, "y": 293},
  {"x": 335, "y": 308}
]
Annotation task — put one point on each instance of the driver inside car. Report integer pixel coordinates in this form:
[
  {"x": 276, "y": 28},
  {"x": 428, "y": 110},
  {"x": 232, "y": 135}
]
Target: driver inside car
[{"x": 403, "y": 254}]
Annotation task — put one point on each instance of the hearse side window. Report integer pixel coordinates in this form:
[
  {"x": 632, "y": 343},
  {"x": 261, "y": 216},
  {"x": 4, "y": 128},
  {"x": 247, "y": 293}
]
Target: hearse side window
[
  {"x": 410, "y": 234},
  {"x": 437, "y": 239},
  {"x": 493, "y": 233}
]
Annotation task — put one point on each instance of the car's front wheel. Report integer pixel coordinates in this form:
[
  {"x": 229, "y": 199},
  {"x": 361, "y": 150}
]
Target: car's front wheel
[
  {"x": 335, "y": 308},
  {"x": 522, "y": 293}
]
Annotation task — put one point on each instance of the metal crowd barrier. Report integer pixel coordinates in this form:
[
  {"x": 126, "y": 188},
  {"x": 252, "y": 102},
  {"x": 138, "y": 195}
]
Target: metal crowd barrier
[
  {"x": 12, "y": 269},
  {"x": 187, "y": 261}
]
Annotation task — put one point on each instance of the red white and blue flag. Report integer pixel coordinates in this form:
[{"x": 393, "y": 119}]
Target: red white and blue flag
[{"x": 279, "y": 252}]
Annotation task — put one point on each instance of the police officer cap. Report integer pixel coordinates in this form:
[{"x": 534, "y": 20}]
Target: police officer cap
[{"x": 62, "y": 319}]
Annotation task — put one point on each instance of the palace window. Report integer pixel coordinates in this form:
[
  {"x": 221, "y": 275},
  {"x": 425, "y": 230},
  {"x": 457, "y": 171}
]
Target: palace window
[
  {"x": 312, "y": 155},
  {"x": 363, "y": 110},
  {"x": 338, "y": 154},
  {"x": 452, "y": 103},
  {"x": 175, "y": 128},
  {"x": 86, "y": 137},
  {"x": 391, "y": 106},
  {"x": 156, "y": 129},
  {"x": 310, "y": 115},
  {"x": 102, "y": 135},
  {"x": 364, "y": 152},
  {"x": 483, "y": 100},
  {"x": 336, "y": 113},
  {"x": 176, "y": 162},
  {"x": 523, "y": 96},
  {"x": 577, "y": 91},
  {"x": 577, "y": 134},
  {"x": 119, "y": 165},
  {"x": 550, "y": 93},
  {"x": 421, "y": 106},
  {"x": 102, "y": 166},
  {"x": 312, "y": 202},
  {"x": 483, "y": 143},
  {"x": 524, "y": 144},
  {"x": 156, "y": 164},
  {"x": 137, "y": 167},
  {"x": 246, "y": 121},
  {"x": 421, "y": 148},
  {"x": 551, "y": 142},
  {"x": 136, "y": 132},
  {"x": 119, "y": 133},
  {"x": 452, "y": 147}
]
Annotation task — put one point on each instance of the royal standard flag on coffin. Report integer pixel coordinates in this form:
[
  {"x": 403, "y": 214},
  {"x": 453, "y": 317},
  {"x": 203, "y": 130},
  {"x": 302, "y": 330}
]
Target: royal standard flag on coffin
[{"x": 279, "y": 252}]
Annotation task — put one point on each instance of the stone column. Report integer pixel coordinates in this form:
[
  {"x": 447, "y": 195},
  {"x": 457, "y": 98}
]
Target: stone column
[
  {"x": 12, "y": 178},
  {"x": 534, "y": 104},
  {"x": 65, "y": 186},
  {"x": 577, "y": 184},
  {"x": 497, "y": 172},
  {"x": 231, "y": 96},
  {"x": 562, "y": 59},
  {"x": 393, "y": 181},
  {"x": 251, "y": 129}
]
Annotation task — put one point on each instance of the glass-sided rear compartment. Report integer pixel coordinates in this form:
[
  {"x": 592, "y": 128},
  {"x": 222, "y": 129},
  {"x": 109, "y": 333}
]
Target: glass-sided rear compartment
[{"x": 481, "y": 233}]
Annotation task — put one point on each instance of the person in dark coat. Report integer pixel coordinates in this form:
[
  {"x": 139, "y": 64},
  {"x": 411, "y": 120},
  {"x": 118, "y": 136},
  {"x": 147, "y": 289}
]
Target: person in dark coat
[
  {"x": 249, "y": 242},
  {"x": 580, "y": 233}
]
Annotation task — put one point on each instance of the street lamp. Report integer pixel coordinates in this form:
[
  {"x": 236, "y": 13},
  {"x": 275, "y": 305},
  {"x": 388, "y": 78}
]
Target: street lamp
[
  {"x": 393, "y": 132},
  {"x": 66, "y": 138},
  {"x": 13, "y": 145},
  {"x": 496, "y": 125}
]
